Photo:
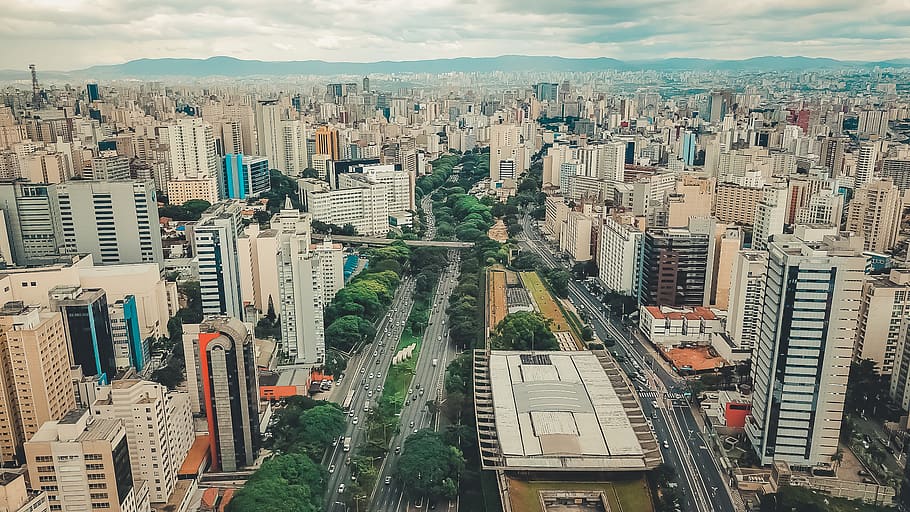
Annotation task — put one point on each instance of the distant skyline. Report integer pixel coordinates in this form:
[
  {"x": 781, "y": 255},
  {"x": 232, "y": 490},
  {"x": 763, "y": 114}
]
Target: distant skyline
[{"x": 73, "y": 34}]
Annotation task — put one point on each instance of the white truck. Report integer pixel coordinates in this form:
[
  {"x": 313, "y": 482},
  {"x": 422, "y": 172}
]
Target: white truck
[
  {"x": 347, "y": 444},
  {"x": 435, "y": 361}
]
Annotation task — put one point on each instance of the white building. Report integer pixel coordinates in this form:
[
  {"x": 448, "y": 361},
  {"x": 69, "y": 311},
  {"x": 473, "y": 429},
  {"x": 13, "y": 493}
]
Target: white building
[
  {"x": 401, "y": 191},
  {"x": 215, "y": 240},
  {"x": 770, "y": 214},
  {"x": 159, "y": 429},
  {"x": 618, "y": 258},
  {"x": 865, "y": 164},
  {"x": 365, "y": 206},
  {"x": 802, "y": 357},
  {"x": 191, "y": 143},
  {"x": 747, "y": 284}
]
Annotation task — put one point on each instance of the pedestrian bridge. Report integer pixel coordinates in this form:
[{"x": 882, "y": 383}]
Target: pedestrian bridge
[{"x": 370, "y": 240}]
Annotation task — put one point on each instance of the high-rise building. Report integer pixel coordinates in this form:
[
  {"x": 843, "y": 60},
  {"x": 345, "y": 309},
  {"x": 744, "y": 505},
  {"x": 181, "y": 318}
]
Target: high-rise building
[
  {"x": 747, "y": 284},
  {"x": 770, "y": 214},
  {"x": 268, "y": 120},
  {"x": 114, "y": 221},
  {"x": 676, "y": 268},
  {"x": 159, "y": 430},
  {"x": 505, "y": 141},
  {"x": 16, "y": 496},
  {"x": 872, "y": 123},
  {"x": 35, "y": 381},
  {"x": 215, "y": 239},
  {"x": 832, "y": 154},
  {"x": 401, "y": 189},
  {"x": 364, "y": 206},
  {"x": 91, "y": 92},
  {"x": 898, "y": 169},
  {"x": 130, "y": 349},
  {"x": 331, "y": 268},
  {"x": 244, "y": 176},
  {"x": 225, "y": 381},
  {"x": 32, "y": 216},
  {"x": 618, "y": 257},
  {"x": 802, "y": 356},
  {"x": 108, "y": 167},
  {"x": 193, "y": 155},
  {"x": 546, "y": 91},
  {"x": 300, "y": 288},
  {"x": 865, "y": 164},
  {"x": 85, "y": 465},
  {"x": 688, "y": 148},
  {"x": 884, "y": 314},
  {"x": 87, "y": 321},
  {"x": 327, "y": 142},
  {"x": 875, "y": 213}
]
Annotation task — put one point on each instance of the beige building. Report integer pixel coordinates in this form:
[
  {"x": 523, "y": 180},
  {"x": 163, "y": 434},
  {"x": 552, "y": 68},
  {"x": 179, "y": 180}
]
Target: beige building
[
  {"x": 35, "y": 382},
  {"x": 258, "y": 255},
  {"x": 694, "y": 197},
  {"x": 555, "y": 216},
  {"x": 726, "y": 251},
  {"x": 15, "y": 496},
  {"x": 875, "y": 213},
  {"x": 84, "y": 465},
  {"x": 576, "y": 236},
  {"x": 734, "y": 204},
  {"x": 182, "y": 190},
  {"x": 883, "y": 315},
  {"x": 159, "y": 430}
]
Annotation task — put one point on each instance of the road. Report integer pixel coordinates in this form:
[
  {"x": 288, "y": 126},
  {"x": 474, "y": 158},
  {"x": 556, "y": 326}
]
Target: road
[
  {"x": 682, "y": 443},
  {"x": 367, "y": 379},
  {"x": 426, "y": 385}
]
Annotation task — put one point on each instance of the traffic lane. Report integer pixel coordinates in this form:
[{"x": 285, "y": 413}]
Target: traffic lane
[
  {"x": 670, "y": 453},
  {"x": 704, "y": 458}
]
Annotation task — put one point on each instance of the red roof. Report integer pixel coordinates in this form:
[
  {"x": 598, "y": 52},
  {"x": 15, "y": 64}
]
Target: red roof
[
  {"x": 196, "y": 457},
  {"x": 209, "y": 497},
  {"x": 696, "y": 313}
]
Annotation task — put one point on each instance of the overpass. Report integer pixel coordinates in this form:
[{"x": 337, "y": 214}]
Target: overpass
[{"x": 370, "y": 240}]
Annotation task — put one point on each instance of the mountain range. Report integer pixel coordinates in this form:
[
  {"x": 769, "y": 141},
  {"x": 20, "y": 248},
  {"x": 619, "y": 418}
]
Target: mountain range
[{"x": 233, "y": 67}]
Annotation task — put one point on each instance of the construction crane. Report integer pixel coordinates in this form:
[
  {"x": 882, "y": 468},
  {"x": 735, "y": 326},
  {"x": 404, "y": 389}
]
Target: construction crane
[{"x": 36, "y": 91}]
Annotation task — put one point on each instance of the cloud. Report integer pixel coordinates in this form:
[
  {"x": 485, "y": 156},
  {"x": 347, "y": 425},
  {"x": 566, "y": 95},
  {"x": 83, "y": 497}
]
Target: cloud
[{"x": 70, "y": 34}]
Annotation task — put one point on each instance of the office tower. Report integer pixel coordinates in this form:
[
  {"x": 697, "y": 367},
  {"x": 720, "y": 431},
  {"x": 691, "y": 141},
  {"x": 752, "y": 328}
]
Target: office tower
[
  {"x": 872, "y": 123},
  {"x": 85, "y": 465},
  {"x": 505, "y": 141},
  {"x": 268, "y": 121},
  {"x": 159, "y": 430},
  {"x": 366, "y": 84},
  {"x": 802, "y": 357},
  {"x": 400, "y": 185},
  {"x": 875, "y": 213},
  {"x": 331, "y": 268},
  {"x": 618, "y": 258},
  {"x": 87, "y": 323},
  {"x": 327, "y": 142},
  {"x": 364, "y": 206},
  {"x": 227, "y": 383},
  {"x": 91, "y": 91},
  {"x": 108, "y": 166},
  {"x": 33, "y": 225},
  {"x": 736, "y": 204},
  {"x": 114, "y": 221},
  {"x": 215, "y": 239},
  {"x": 770, "y": 214},
  {"x": 130, "y": 349},
  {"x": 34, "y": 375},
  {"x": 898, "y": 169},
  {"x": 191, "y": 143},
  {"x": 688, "y": 148},
  {"x": 832, "y": 154},
  {"x": 747, "y": 284},
  {"x": 825, "y": 207},
  {"x": 719, "y": 103},
  {"x": 865, "y": 164},
  {"x": 676, "y": 269},
  {"x": 883, "y": 315},
  {"x": 728, "y": 241},
  {"x": 244, "y": 176},
  {"x": 611, "y": 163},
  {"x": 546, "y": 91}
]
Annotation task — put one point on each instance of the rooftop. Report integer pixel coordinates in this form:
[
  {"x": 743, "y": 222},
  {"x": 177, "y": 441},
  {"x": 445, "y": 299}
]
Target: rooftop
[
  {"x": 562, "y": 411},
  {"x": 696, "y": 313}
]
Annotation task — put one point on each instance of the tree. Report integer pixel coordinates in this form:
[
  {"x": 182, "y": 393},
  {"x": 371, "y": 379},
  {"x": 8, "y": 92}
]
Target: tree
[
  {"x": 309, "y": 172},
  {"x": 344, "y": 333},
  {"x": 429, "y": 467},
  {"x": 524, "y": 330},
  {"x": 587, "y": 333},
  {"x": 559, "y": 281},
  {"x": 284, "y": 483},
  {"x": 197, "y": 206},
  {"x": 307, "y": 430}
]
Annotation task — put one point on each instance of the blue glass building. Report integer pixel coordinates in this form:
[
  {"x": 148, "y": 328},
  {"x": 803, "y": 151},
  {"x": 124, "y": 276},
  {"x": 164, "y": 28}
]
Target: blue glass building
[
  {"x": 243, "y": 176},
  {"x": 688, "y": 148}
]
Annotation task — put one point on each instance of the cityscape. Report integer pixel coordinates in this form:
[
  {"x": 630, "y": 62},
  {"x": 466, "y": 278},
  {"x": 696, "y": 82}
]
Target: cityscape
[{"x": 610, "y": 262}]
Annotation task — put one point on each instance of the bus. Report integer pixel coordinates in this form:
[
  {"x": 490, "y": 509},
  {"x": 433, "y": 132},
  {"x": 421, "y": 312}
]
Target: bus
[{"x": 346, "y": 405}]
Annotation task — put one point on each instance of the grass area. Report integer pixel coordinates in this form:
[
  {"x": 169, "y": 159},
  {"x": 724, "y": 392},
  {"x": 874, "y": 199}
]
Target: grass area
[
  {"x": 398, "y": 380},
  {"x": 407, "y": 337},
  {"x": 547, "y": 305},
  {"x": 800, "y": 498},
  {"x": 624, "y": 495}
]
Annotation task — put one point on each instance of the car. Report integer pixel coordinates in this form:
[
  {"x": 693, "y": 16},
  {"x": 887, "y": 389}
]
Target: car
[
  {"x": 371, "y": 375},
  {"x": 332, "y": 468},
  {"x": 412, "y": 423},
  {"x": 862, "y": 472},
  {"x": 370, "y": 394},
  {"x": 375, "y": 353},
  {"x": 421, "y": 392},
  {"x": 868, "y": 480},
  {"x": 334, "y": 442},
  {"x": 363, "y": 370},
  {"x": 415, "y": 430},
  {"x": 397, "y": 449},
  {"x": 351, "y": 413},
  {"x": 439, "y": 338},
  {"x": 666, "y": 444},
  {"x": 355, "y": 420},
  {"x": 654, "y": 404},
  {"x": 388, "y": 480},
  {"x": 340, "y": 488},
  {"x": 410, "y": 391},
  {"x": 378, "y": 375}
]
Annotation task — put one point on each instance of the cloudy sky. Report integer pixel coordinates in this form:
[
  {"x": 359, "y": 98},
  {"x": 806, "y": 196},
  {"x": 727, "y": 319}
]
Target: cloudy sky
[{"x": 71, "y": 34}]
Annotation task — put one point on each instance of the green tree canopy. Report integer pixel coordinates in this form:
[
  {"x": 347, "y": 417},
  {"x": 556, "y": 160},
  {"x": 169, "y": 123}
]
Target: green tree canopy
[
  {"x": 345, "y": 332},
  {"x": 308, "y": 431},
  {"x": 284, "y": 483},
  {"x": 521, "y": 331},
  {"x": 428, "y": 466}
]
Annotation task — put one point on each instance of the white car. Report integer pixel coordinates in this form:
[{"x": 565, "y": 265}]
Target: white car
[
  {"x": 341, "y": 489},
  {"x": 332, "y": 468},
  {"x": 355, "y": 420},
  {"x": 371, "y": 375}
]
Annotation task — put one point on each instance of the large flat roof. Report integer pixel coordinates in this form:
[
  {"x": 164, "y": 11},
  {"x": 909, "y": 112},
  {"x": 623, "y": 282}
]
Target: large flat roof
[{"x": 561, "y": 411}]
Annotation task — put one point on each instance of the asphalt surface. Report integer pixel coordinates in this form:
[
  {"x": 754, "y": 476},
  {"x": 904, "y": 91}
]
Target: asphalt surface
[
  {"x": 358, "y": 377},
  {"x": 682, "y": 444}
]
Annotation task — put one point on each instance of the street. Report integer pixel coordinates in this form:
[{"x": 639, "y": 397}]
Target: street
[{"x": 700, "y": 478}]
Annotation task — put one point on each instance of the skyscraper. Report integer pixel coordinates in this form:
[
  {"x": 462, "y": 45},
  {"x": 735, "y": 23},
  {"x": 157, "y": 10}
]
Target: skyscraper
[
  {"x": 193, "y": 155},
  {"x": 327, "y": 142},
  {"x": 230, "y": 391},
  {"x": 802, "y": 357},
  {"x": 244, "y": 176},
  {"x": 505, "y": 143},
  {"x": 32, "y": 216},
  {"x": 35, "y": 381},
  {"x": 268, "y": 121},
  {"x": 747, "y": 285},
  {"x": 865, "y": 164},
  {"x": 770, "y": 215},
  {"x": 88, "y": 329},
  {"x": 875, "y": 213},
  {"x": 114, "y": 221},
  {"x": 130, "y": 350},
  {"x": 215, "y": 238},
  {"x": 676, "y": 269}
]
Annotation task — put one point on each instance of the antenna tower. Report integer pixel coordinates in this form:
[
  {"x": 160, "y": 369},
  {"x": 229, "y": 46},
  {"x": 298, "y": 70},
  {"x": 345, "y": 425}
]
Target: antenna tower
[{"x": 36, "y": 92}]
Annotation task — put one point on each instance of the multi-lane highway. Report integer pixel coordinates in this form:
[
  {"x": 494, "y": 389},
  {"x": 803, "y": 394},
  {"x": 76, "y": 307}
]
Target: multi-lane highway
[
  {"x": 366, "y": 378},
  {"x": 682, "y": 443},
  {"x": 427, "y": 385}
]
